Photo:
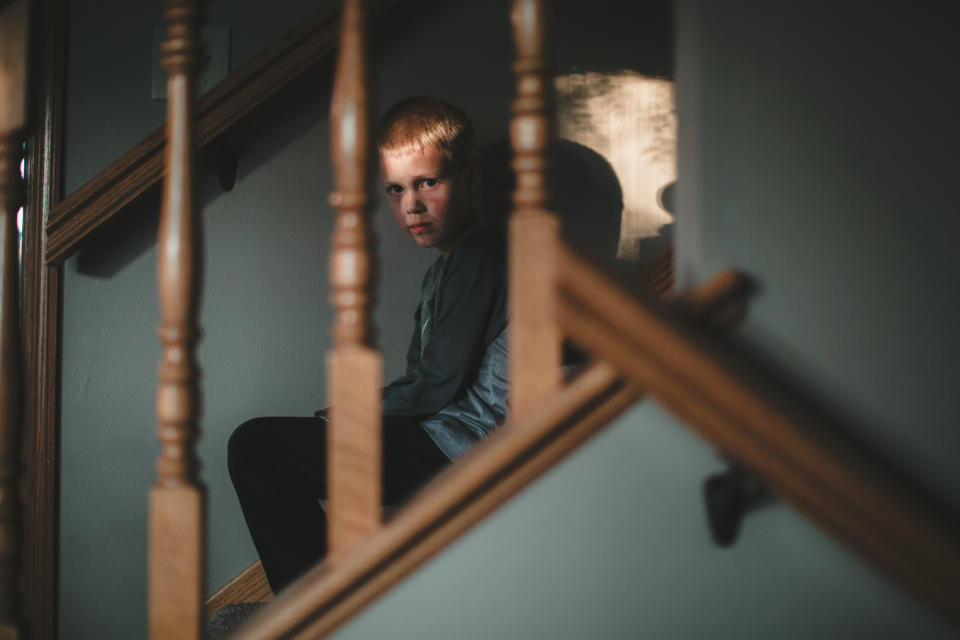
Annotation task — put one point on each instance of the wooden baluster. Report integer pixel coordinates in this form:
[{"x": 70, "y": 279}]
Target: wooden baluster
[
  {"x": 535, "y": 339},
  {"x": 354, "y": 368},
  {"x": 13, "y": 89},
  {"x": 177, "y": 500}
]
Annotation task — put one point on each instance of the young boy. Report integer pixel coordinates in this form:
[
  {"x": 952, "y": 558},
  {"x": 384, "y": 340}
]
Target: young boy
[{"x": 454, "y": 390}]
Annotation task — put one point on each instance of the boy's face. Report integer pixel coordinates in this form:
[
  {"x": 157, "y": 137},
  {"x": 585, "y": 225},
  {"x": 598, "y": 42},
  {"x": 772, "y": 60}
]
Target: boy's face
[{"x": 428, "y": 200}]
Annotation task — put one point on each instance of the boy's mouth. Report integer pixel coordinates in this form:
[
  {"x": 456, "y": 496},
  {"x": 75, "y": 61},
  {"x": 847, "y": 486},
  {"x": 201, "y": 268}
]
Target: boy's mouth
[{"x": 420, "y": 227}]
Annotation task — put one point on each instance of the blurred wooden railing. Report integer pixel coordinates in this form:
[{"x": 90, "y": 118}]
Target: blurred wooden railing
[{"x": 740, "y": 408}]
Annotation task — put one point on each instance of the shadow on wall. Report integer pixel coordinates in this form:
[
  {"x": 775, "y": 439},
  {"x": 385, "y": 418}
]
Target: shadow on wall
[
  {"x": 123, "y": 239},
  {"x": 585, "y": 193}
]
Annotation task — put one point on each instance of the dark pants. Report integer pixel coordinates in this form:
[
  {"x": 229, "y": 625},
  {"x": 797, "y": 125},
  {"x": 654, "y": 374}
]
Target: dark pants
[{"x": 279, "y": 470}]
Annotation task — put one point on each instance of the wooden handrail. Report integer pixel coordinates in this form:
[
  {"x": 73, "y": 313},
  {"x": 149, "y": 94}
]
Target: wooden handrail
[
  {"x": 737, "y": 406},
  {"x": 354, "y": 367},
  {"x": 487, "y": 476},
  {"x": 73, "y": 219}
]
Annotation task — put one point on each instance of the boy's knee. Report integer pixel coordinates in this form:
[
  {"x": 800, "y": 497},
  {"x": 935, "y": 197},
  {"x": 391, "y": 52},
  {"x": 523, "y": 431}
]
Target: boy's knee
[{"x": 246, "y": 441}]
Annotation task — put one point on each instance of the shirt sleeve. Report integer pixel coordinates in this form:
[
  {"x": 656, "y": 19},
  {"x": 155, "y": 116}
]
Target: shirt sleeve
[{"x": 471, "y": 312}]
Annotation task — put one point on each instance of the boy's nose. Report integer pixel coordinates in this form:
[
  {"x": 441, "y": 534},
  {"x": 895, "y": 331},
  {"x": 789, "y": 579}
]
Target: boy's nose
[{"x": 411, "y": 203}]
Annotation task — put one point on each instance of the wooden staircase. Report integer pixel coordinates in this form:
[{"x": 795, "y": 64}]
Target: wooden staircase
[{"x": 640, "y": 346}]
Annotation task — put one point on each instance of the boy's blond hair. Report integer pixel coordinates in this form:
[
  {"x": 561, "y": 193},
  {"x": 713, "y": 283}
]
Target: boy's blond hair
[{"x": 425, "y": 121}]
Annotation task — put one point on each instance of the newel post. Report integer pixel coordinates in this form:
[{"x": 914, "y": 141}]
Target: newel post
[
  {"x": 354, "y": 368},
  {"x": 13, "y": 91},
  {"x": 535, "y": 338},
  {"x": 177, "y": 500}
]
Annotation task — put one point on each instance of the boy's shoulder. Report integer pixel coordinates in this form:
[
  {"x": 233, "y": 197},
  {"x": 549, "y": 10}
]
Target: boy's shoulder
[{"x": 483, "y": 244}]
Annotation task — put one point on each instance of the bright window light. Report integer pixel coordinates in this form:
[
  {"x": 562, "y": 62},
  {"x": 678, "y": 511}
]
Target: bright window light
[{"x": 629, "y": 119}]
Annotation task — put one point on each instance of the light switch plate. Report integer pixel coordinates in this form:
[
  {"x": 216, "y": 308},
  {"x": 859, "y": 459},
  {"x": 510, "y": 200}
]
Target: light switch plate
[{"x": 213, "y": 70}]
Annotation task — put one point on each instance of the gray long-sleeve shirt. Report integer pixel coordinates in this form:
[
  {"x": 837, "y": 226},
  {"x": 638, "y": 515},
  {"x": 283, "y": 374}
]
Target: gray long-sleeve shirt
[{"x": 458, "y": 388}]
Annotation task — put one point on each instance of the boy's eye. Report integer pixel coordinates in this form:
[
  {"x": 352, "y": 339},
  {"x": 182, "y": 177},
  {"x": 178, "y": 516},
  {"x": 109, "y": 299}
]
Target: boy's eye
[
  {"x": 394, "y": 189},
  {"x": 430, "y": 182}
]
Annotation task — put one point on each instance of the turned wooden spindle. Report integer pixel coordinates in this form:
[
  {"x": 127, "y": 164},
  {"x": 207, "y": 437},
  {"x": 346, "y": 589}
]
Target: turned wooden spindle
[
  {"x": 13, "y": 89},
  {"x": 535, "y": 338},
  {"x": 177, "y": 527},
  {"x": 354, "y": 368}
]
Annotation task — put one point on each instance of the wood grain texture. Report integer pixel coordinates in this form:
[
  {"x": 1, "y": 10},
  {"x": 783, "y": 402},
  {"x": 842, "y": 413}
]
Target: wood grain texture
[
  {"x": 741, "y": 409},
  {"x": 535, "y": 340},
  {"x": 42, "y": 290},
  {"x": 486, "y": 477},
  {"x": 13, "y": 99},
  {"x": 177, "y": 500},
  {"x": 176, "y": 560},
  {"x": 354, "y": 369},
  {"x": 250, "y": 585},
  {"x": 354, "y": 459},
  {"x": 107, "y": 193}
]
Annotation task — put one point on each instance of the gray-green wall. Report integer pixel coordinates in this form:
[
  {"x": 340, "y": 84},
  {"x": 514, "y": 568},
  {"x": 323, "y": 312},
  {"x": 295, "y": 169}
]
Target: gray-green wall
[{"x": 814, "y": 155}]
